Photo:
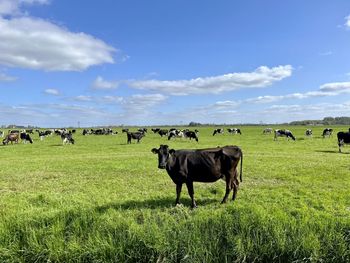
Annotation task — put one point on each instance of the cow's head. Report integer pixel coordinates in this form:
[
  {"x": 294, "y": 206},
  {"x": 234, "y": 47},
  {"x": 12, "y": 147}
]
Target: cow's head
[{"x": 163, "y": 155}]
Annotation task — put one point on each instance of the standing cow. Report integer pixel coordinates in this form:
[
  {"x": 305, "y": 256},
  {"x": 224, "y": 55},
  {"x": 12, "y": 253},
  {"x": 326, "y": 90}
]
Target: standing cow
[
  {"x": 343, "y": 138},
  {"x": 204, "y": 165},
  {"x": 327, "y": 132}
]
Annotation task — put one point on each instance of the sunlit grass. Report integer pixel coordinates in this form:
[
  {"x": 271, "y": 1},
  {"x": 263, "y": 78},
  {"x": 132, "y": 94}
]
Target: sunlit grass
[{"x": 102, "y": 200}]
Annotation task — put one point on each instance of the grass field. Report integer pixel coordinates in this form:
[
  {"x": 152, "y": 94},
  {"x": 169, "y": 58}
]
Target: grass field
[{"x": 102, "y": 200}]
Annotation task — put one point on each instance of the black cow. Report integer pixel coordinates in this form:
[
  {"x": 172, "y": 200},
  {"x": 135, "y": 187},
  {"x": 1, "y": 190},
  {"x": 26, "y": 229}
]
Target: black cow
[
  {"x": 234, "y": 131},
  {"x": 163, "y": 132},
  {"x": 25, "y": 137},
  {"x": 218, "y": 131},
  {"x": 125, "y": 130},
  {"x": 284, "y": 133},
  {"x": 155, "y": 130},
  {"x": 143, "y": 130},
  {"x": 191, "y": 135},
  {"x": 203, "y": 165},
  {"x": 327, "y": 132},
  {"x": 134, "y": 135},
  {"x": 343, "y": 138}
]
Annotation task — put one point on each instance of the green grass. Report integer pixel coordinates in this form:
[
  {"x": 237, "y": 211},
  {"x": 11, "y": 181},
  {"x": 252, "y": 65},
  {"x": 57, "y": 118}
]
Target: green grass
[{"x": 102, "y": 200}]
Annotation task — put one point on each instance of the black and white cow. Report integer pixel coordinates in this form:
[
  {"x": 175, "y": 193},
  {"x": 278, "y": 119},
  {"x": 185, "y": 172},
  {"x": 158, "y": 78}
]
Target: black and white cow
[
  {"x": 125, "y": 130},
  {"x": 135, "y": 136},
  {"x": 284, "y": 133},
  {"x": 67, "y": 138},
  {"x": 343, "y": 138},
  {"x": 155, "y": 130},
  {"x": 1, "y": 134},
  {"x": 25, "y": 137},
  {"x": 218, "y": 131},
  {"x": 191, "y": 135},
  {"x": 143, "y": 130},
  {"x": 176, "y": 134},
  {"x": 234, "y": 131},
  {"x": 327, "y": 132},
  {"x": 308, "y": 133}
]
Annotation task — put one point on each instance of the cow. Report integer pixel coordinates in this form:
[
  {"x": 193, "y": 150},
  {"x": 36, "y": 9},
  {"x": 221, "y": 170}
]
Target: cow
[
  {"x": 176, "y": 134},
  {"x": 308, "y": 133},
  {"x": 1, "y": 134},
  {"x": 86, "y": 132},
  {"x": 25, "y": 137},
  {"x": 155, "y": 130},
  {"x": 134, "y": 135},
  {"x": 202, "y": 165},
  {"x": 29, "y": 131},
  {"x": 12, "y": 137},
  {"x": 343, "y": 138},
  {"x": 125, "y": 130},
  {"x": 267, "y": 131},
  {"x": 218, "y": 131},
  {"x": 234, "y": 131},
  {"x": 143, "y": 130},
  {"x": 163, "y": 132},
  {"x": 327, "y": 132},
  {"x": 13, "y": 131},
  {"x": 284, "y": 133},
  {"x": 191, "y": 135},
  {"x": 67, "y": 138}
]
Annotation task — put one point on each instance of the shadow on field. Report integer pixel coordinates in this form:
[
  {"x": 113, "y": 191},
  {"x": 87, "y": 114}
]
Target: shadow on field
[
  {"x": 327, "y": 151},
  {"x": 152, "y": 204}
]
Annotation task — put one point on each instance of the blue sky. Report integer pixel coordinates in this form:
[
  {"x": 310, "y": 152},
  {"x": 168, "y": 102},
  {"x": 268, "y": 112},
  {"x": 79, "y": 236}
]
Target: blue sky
[{"x": 160, "y": 62}]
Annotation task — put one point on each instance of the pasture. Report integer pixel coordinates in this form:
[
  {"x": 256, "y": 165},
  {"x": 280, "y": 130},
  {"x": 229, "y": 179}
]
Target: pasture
[{"x": 102, "y": 200}]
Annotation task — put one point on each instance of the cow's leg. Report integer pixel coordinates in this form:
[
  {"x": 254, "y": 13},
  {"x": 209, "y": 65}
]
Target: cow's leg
[
  {"x": 235, "y": 184},
  {"x": 189, "y": 185},
  {"x": 178, "y": 193},
  {"x": 228, "y": 187}
]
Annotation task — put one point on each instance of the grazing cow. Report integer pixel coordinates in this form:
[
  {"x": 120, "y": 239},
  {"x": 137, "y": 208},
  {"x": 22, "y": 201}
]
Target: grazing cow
[
  {"x": 218, "y": 131},
  {"x": 134, "y": 135},
  {"x": 125, "y": 130},
  {"x": 25, "y": 137},
  {"x": 176, "y": 134},
  {"x": 155, "y": 130},
  {"x": 86, "y": 132},
  {"x": 143, "y": 130},
  {"x": 284, "y": 133},
  {"x": 343, "y": 138},
  {"x": 204, "y": 165},
  {"x": 327, "y": 132},
  {"x": 29, "y": 131},
  {"x": 163, "y": 132},
  {"x": 12, "y": 137},
  {"x": 67, "y": 138},
  {"x": 308, "y": 133},
  {"x": 234, "y": 130},
  {"x": 267, "y": 131},
  {"x": 191, "y": 135}
]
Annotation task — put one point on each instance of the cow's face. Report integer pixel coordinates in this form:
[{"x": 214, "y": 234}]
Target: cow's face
[{"x": 163, "y": 155}]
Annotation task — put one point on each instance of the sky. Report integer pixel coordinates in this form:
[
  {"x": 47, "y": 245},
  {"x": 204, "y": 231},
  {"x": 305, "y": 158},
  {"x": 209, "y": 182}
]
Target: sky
[{"x": 161, "y": 62}]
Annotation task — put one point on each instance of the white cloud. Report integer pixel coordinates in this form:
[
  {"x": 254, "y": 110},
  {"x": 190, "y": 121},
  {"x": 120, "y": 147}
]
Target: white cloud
[
  {"x": 335, "y": 87},
  {"x": 12, "y": 7},
  {"x": 100, "y": 83},
  {"x": 347, "y": 21},
  {"x": 34, "y": 43},
  {"x": 261, "y": 77},
  {"x": 140, "y": 103},
  {"x": 4, "y": 77},
  {"x": 82, "y": 98},
  {"x": 53, "y": 92}
]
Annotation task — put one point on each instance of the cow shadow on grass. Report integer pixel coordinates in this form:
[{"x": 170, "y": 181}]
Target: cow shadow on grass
[{"x": 152, "y": 204}]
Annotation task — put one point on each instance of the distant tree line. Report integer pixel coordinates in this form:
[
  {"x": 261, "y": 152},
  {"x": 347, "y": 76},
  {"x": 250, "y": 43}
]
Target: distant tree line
[{"x": 325, "y": 121}]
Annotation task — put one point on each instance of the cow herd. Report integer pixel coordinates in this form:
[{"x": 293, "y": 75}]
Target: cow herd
[{"x": 184, "y": 166}]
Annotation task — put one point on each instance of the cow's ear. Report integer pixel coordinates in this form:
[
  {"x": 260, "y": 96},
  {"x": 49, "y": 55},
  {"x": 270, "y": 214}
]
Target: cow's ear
[
  {"x": 171, "y": 151},
  {"x": 154, "y": 150}
]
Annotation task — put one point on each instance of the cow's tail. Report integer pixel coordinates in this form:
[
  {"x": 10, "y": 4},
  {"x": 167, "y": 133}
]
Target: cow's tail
[{"x": 241, "y": 172}]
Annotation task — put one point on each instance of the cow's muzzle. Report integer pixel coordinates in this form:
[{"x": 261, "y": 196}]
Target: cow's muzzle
[{"x": 161, "y": 166}]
